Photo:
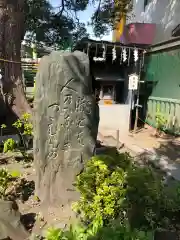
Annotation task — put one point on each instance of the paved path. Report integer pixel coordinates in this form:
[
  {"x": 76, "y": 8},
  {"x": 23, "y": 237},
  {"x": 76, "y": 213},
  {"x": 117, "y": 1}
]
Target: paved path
[{"x": 172, "y": 169}]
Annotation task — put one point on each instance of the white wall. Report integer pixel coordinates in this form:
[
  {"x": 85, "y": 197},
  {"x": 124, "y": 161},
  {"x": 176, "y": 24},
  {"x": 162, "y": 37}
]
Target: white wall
[
  {"x": 165, "y": 13},
  {"x": 114, "y": 117}
]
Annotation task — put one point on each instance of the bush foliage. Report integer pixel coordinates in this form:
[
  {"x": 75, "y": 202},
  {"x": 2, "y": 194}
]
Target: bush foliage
[{"x": 121, "y": 200}]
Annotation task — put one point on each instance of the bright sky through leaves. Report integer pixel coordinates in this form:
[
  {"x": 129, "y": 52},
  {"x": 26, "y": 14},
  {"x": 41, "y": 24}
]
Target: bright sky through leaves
[{"x": 84, "y": 17}]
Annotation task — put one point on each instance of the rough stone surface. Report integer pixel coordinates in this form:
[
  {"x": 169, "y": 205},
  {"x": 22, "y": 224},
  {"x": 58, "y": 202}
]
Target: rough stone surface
[
  {"x": 10, "y": 224},
  {"x": 65, "y": 124}
]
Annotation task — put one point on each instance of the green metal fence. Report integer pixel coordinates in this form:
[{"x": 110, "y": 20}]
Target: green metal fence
[{"x": 170, "y": 110}]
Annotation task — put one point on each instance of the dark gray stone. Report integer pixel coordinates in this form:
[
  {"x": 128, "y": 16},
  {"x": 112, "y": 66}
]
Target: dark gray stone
[
  {"x": 65, "y": 124},
  {"x": 10, "y": 224}
]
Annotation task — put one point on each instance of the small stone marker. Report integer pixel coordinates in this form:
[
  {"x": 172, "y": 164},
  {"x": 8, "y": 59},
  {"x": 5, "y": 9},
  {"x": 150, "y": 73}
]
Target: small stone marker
[
  {"x": 10, "y": 225},
  {"x": 65, "y": 124}
]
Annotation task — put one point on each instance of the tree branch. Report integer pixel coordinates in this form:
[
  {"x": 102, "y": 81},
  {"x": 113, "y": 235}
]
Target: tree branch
[
  {"x": 98, "y": 9},
  {"x": 62, "y": 9}
]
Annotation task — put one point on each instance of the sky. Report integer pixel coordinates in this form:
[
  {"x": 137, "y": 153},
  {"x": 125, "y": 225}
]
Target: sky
[{"x": 84, "y": 17}]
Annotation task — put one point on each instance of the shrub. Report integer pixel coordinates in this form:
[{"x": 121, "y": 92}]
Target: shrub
[
  {"x": 9, "y": 145},
  {"x": 112, "y": 187},
  {"x": 117, "y": 231},
  {"x": 114, "y": 231},
  {"x": 25, "y": 130},
  {"x": 143, "y": 196},
  {"x": 5, "y": 178},
  {"x": 102, "y": 190},
  {"x": 23, "y": 125},
  {"x": 120, "y": 200},
  {"x": 54, "y": 234},
  {"x": 161, "y": 121}
]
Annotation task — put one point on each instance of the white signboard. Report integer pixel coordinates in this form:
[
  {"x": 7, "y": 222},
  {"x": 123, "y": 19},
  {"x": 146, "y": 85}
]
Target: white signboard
[{"x": 133, "y": 82}]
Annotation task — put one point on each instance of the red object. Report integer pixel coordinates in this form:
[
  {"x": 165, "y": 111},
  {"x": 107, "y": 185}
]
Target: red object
[{"x": 139, "y": 33}]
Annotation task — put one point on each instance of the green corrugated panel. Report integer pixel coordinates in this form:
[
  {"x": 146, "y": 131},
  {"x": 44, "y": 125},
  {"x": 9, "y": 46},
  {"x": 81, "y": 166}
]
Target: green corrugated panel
[{"x": 163, "y": 68}]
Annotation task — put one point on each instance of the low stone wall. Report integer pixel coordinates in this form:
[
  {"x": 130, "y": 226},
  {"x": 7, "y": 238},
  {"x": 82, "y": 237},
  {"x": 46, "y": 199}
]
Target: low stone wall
[{"x": 115, "y": 117}]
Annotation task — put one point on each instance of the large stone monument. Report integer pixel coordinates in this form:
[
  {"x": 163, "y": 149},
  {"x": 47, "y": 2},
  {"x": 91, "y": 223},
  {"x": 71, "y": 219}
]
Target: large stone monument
[{"x": 65, "y": 124}]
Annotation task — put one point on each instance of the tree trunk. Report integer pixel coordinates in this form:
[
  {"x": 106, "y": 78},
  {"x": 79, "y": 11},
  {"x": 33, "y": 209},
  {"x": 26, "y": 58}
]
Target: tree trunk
[{"x": 11, "y": 34}]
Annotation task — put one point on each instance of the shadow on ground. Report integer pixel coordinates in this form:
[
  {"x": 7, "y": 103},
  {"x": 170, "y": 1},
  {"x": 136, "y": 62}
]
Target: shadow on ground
[
  {"x": 28, "y": 220},
  {"x": 166, "y": 158},
  {"x": 27, "y": 190},
  {"x": 171, "y": 149}
]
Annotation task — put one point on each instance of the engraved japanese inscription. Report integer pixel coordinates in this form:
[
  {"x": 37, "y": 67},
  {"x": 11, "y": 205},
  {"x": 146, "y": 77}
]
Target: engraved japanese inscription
[
  {"x": 77, "y": 110},
  {"x": 52, "y": 131}
]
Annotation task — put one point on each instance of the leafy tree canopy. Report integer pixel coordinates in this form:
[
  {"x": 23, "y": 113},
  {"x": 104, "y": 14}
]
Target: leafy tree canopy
[
  {"x": 54, "y": 26},
  {"x": 107, "y": 14},
  {"x": 59, "y": 26}
]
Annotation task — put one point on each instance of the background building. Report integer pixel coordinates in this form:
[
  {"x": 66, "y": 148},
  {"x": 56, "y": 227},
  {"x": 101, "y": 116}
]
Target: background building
[
  {"x": 155, "y": 25},
  {"x": 163, "y": 13}
]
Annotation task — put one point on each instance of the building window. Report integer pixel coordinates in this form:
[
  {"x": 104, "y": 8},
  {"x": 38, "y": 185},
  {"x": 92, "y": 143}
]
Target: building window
[{"x": 146, "y": 2}]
